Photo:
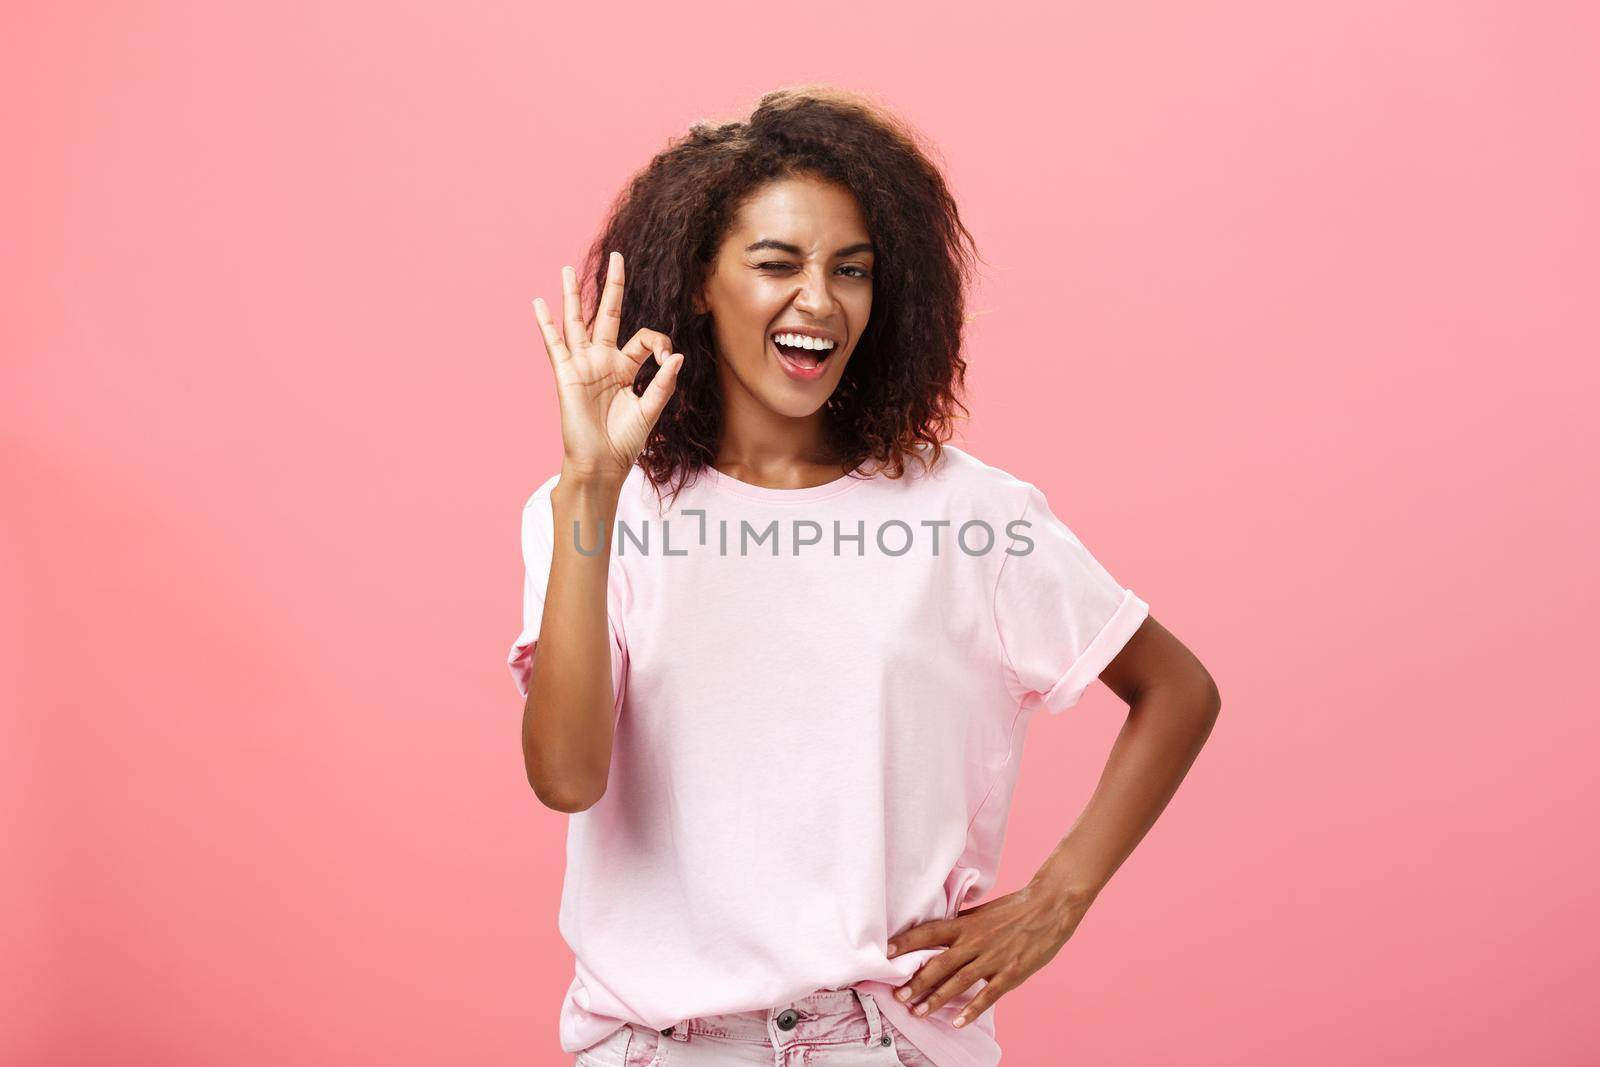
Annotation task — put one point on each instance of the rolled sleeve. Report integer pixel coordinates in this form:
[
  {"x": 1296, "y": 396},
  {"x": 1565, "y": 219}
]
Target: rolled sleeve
[
  {"x": 1060, "y": 615},
  {"x": 538, "y": 547}
]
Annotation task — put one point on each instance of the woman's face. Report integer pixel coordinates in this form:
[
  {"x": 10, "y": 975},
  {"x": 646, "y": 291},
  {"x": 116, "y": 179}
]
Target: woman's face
[{"x": 797, "y": 258}]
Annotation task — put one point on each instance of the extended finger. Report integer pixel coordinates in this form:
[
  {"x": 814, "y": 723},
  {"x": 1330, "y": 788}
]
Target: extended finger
[
  {"x": 952, "y": 987},
  {"x": 608, "y": 320},
  {"x": 981, "y": 1003},
  {"x": 645, "y": 342},
  {"x": 572, "y": 303},
  {"x": 931, "y": 974},
  {"x": 925, "y": 935},
  {"x": 554, "y": 346}
]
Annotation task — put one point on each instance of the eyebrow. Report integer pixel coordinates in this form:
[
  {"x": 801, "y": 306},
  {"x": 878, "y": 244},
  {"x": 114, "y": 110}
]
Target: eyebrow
[{"x": 794, "y": 250}]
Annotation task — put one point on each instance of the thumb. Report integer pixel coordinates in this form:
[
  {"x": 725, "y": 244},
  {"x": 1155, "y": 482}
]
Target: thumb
[{"x": 655, "y": 396}]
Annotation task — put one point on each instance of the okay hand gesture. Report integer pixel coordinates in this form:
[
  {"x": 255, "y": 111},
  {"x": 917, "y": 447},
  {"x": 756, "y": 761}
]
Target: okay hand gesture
[{"x": 604, "y": 425}]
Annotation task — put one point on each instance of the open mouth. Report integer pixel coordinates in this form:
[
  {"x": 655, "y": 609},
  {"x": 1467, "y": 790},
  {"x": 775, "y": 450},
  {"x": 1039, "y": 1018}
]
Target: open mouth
[{"x": 806, "y": 354}]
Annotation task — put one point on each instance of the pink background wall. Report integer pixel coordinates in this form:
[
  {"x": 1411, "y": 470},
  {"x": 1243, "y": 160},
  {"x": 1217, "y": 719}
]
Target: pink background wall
[{"x": 1291, "y": 311}]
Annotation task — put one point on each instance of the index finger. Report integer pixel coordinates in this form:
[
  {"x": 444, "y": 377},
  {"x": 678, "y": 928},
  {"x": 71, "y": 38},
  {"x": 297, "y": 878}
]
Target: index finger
[
  {"x": 922, "y": 935},
  {"x": 608, "y": 320}
]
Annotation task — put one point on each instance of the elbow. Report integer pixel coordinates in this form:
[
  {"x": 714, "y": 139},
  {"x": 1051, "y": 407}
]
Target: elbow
[
  {"x": 1191, "y": 691},
  {"x": 563, "y": 793},
  {"x": 1210, "y": 697},
  {"x": 556, "y": 769},
  {"x": 566, "y": 800}
]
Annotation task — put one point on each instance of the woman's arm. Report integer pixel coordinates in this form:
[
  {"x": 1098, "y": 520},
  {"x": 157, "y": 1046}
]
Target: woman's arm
[
  {"x": 1172, "y": 705},
  {"x": 567, "y": 721}
]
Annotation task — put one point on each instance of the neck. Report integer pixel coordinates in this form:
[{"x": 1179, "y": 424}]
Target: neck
[{"x": 765, "y": 447}]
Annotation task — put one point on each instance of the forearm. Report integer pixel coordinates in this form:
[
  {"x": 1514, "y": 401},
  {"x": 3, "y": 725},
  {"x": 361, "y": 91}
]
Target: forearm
[
  {"x": 1165, "y": 730},
  {"x": 567, "y": 722}
]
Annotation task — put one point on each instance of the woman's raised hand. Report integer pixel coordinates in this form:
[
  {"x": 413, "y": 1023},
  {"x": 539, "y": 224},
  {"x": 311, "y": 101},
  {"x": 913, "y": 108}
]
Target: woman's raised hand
[{"x": 604, "y": 426}]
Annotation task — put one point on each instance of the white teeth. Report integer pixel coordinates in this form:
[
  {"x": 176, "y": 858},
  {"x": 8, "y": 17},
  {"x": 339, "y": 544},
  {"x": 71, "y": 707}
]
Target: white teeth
[{"x": 797, "y": 340}]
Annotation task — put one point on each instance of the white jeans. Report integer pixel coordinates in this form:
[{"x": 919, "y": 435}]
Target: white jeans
[{"x": 829, "y": 1028}]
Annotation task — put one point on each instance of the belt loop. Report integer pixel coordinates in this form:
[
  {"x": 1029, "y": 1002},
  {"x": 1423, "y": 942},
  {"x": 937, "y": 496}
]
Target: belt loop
[
  {"x": 678, "y": 1031},
  {"x": 869, "y": 1007}
]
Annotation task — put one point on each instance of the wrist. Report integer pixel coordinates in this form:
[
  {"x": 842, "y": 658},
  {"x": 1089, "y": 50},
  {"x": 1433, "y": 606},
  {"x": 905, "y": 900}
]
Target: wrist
[
  {"x": 1064, "y": 903},
  {"x": 589, "y": 483},
  {"x": 1065, "y": 893},
  {"x": 1066, "y": 882}
]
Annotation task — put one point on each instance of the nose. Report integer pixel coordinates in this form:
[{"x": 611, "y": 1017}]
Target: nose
[{"x": 815, "y": 297}]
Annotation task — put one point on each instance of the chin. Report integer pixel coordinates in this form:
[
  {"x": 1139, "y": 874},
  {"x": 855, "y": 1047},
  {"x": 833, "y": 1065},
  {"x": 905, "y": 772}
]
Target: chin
[{"x": 787, "y": 404}]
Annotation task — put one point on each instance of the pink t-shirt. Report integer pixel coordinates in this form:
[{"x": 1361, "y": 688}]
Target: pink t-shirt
[{"x": 822, "y": 695}]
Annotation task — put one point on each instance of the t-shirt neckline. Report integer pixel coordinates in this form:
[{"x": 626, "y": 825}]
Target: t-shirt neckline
[{"x": 728, "y": 484}]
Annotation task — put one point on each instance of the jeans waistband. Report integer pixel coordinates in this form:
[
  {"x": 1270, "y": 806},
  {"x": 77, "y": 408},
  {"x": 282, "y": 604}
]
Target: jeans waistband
[{"x": 825, "y": 1017}]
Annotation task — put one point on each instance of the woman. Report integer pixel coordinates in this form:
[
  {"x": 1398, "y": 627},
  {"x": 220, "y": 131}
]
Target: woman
[{"x": 781, "y": 643}]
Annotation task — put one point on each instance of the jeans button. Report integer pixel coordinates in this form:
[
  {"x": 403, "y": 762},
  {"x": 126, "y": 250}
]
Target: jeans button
[
  {"x": 887, "y": 1040},
  {"x": 787, "y": 1018}
]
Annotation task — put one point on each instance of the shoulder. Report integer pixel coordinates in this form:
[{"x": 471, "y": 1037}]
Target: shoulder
[{"x": 963, "y": 476}]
